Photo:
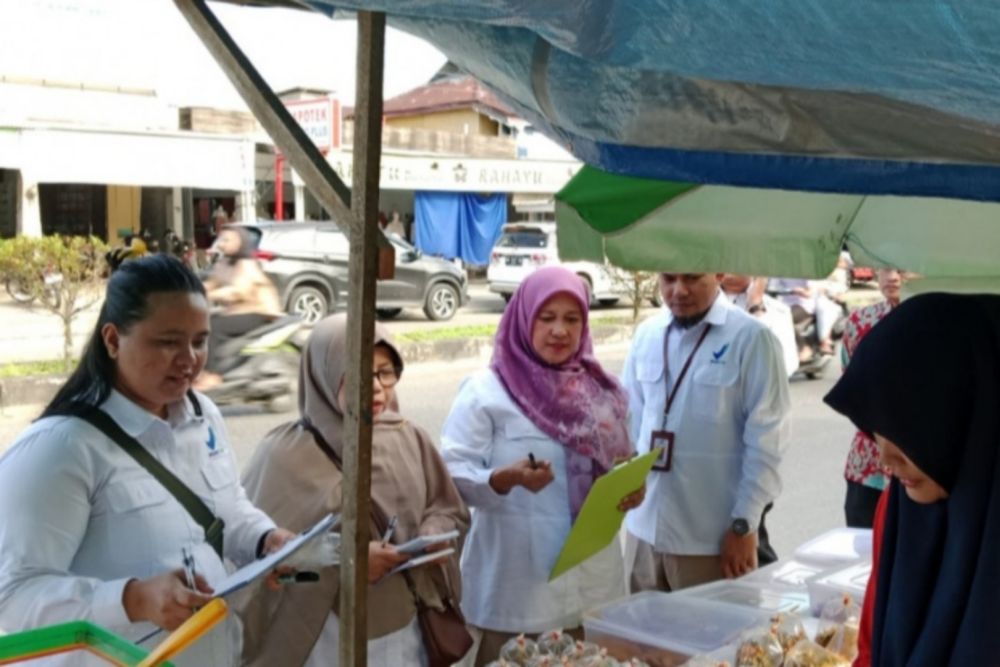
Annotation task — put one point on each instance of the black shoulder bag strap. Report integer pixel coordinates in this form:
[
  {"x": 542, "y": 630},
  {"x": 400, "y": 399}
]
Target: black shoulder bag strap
[{"x": 213, "y": 526}]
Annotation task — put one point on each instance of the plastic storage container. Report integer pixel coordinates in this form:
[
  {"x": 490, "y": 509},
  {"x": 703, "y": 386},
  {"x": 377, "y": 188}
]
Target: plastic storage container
[
  {"x": 762, "y": 597},
  {"x": 665, "y": 629},
  {"x": 851, "y": 580},
  {"x": 841, "y": 546},
  {"x": 791, "y": 573}
]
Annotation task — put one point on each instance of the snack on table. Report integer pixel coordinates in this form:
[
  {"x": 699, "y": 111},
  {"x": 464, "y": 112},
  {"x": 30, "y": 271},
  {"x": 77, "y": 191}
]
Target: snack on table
[
  {"x": 704, "y": 661},
  {"x": 555, "y": 642},
  {"x": 841, "y": 610},
  {"x": 519, "y": 650},
  {"x": 810, "y": 654},
  {"x": 788, "y": 629},
  {"x": 602, "y": 659},
  {"x": 500, "y": 663},
  {"x": 543, "y": 661},
  {"x": 760, "y": 648},
  {"x": 581, "y": 650},
  {"x": 841, "y": 638}
]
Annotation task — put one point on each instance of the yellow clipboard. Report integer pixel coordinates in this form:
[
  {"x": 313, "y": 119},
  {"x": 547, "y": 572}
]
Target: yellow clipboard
[{"x": 600, "y": 519}]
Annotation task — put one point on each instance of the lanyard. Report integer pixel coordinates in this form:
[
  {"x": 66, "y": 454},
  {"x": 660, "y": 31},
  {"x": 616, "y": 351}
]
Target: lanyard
[{"x": 684, "y": 370}]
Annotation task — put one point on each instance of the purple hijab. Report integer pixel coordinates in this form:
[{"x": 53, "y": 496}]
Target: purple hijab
[{"x": 576, "y": 404}]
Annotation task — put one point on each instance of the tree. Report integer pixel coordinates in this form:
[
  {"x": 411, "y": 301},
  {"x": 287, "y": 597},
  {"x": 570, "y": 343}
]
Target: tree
[
  {"x": 61, "y": 273},
  {"x": 639, "y": 286}
]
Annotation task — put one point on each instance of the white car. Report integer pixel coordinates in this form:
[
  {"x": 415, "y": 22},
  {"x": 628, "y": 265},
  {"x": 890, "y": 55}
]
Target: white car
[{"x": 526, "y": 246}]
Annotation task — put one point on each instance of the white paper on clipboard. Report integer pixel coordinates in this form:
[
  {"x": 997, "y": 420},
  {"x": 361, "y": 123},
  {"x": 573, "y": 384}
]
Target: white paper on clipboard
[{"x": 244, "y": 576}]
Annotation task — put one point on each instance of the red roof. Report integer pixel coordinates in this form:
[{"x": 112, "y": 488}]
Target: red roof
[{"x": 443, "y": 95}]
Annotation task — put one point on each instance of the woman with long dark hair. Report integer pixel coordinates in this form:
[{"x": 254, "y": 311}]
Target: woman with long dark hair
[{"x": 127, "y": 474}]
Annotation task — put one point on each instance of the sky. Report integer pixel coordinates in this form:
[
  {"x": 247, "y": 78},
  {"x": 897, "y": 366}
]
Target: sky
[{"x": 147, "y": 44}]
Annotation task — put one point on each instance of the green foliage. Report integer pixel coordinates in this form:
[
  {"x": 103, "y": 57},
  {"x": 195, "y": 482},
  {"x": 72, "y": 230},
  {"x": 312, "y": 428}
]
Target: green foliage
[
  {"x": 640, "y": 286},
  {"x": 62, "y": 274},
  {"x": 449, "y": 333},
  {"x": 32, "y": 368}
]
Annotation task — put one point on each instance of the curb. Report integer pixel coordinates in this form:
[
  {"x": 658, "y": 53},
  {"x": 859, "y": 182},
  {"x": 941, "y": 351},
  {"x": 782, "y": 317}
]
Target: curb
[
  {"x": 29, "y": 390},
  {"x": 40, "y": 389}
]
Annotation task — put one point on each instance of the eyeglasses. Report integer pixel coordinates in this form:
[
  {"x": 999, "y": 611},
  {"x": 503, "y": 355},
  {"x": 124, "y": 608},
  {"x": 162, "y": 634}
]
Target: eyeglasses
[{"x": 387, "y": 377}]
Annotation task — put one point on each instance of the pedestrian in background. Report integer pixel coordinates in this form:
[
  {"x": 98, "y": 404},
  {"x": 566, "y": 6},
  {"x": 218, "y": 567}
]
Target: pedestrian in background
[{"x": 864, "y": 473}]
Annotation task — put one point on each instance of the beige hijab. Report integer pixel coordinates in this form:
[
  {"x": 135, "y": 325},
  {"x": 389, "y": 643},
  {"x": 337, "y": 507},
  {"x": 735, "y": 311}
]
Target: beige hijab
[{"x": 291, "y": 479}]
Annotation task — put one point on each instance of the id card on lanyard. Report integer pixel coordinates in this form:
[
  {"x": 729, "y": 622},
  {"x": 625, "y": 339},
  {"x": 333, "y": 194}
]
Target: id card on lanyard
[{"x": 663, "y": 438}]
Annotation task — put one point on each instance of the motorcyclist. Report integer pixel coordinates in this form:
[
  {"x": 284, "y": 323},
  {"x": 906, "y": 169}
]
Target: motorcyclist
[
  {"x": 804, "y": 298},
  {"x": 248, "y": 298}
]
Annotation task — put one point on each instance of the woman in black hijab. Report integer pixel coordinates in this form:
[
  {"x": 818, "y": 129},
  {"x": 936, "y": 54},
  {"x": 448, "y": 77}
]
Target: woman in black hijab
[{"x": 926, "y": 383}]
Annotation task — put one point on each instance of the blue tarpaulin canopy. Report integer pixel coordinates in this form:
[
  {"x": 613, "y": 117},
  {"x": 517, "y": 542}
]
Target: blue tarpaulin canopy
[{"x": 859, "y": 96}]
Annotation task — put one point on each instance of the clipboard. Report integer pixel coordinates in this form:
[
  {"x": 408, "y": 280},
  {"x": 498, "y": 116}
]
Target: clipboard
[
  {"x": 246, "y": 575},
  {"x": 599, "y": 519}
]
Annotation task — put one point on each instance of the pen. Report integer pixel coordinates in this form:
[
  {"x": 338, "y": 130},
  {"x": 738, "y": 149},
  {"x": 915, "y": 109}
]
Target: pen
[
  {"x": 188, "y": 567},
  {"x": 299, "y": 578},
  {"x": 389, "y": 530},
  {"x": 534, "y": 463}
]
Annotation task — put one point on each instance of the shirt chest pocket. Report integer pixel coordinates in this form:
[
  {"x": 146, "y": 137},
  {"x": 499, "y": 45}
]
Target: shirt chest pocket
[
  {"x": 714, "y": 392},
  {"x": 220, "y": 474},
  {"x": 518, "y": 438},
  {"x": 140, "y": 515}
]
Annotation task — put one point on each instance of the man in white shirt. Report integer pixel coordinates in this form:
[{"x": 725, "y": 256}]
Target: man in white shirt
[
  {"x": 706, "y": 384},
  {"x": 747, "y": 293}
]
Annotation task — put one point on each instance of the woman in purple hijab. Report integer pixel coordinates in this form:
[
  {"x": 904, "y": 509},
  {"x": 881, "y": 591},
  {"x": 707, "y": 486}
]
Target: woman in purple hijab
[{"x": 524, "y": 442}]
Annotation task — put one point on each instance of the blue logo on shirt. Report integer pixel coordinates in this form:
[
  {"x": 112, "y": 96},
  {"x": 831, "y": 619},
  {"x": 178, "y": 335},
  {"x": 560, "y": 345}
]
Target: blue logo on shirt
[
  {"x": 717, "y": 356},
  {"x": 211, "y": 440}
]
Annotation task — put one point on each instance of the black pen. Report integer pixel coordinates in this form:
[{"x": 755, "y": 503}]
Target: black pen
[
  {"x": 531, "y": 459},
  {"x": 299, "y": 578}
]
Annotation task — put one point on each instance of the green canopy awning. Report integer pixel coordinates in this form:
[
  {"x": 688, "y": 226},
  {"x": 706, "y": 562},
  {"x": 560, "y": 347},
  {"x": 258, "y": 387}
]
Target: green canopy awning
[{"x": 650, "y": 225}]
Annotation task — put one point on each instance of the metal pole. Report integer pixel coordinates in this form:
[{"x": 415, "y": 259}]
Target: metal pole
[{"x": 362, "y": 271}]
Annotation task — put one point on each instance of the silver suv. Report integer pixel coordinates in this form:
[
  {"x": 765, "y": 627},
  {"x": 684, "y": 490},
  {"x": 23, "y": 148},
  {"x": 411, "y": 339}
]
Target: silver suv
[{"x": 307, "y": 261}]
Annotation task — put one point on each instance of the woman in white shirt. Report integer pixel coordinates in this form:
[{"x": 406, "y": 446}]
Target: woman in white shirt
[
  {"x": 88, "y": 533},
  {"x": 524, "y": 443}
]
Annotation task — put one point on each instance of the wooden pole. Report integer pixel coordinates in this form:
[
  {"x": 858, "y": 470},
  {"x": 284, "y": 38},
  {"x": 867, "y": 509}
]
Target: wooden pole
[
  {"x": 362, "y": 271},
  {"x": 358, "y": 217}
]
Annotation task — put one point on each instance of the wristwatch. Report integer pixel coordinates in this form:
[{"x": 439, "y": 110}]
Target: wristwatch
[
  {"x": 756, "y": 308},
  {"x": 740, "y": 527}
]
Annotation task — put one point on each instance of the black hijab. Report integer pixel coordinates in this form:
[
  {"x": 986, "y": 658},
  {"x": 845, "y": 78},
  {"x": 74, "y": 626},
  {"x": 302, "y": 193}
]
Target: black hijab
[{"x": 928, "y": 378}]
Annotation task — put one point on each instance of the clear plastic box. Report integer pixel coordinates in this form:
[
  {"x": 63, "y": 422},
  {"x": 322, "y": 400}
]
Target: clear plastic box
[
  {"x": 791, "y": 573},
  {"x": 665, "y": 629},
  {"x": 852, "y": 580},
  {"x": 762, "y": 597},
  {"x": 840, "y": 546}
]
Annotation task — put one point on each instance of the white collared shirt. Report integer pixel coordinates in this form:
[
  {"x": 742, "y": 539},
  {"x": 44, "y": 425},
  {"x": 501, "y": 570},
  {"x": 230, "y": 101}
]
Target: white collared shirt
[
  {"x": 515, "y": 539},
  {"x": 730, "y": 420},
  {"x": 80, "y": 518},
  {"x": 778, "y": 318}
]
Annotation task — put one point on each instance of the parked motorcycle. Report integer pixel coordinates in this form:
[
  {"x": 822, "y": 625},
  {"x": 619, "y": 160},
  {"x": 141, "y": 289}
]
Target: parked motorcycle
[
  {"x": 21, "y": 295},
  {"x": 261, "y": 367}
]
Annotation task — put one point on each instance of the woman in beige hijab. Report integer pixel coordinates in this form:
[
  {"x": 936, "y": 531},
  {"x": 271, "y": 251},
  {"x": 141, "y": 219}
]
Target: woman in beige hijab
[{"x": 294, "y": 478}]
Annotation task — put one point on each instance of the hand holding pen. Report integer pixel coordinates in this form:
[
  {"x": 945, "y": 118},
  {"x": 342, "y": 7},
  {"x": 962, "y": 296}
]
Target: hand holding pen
[{"x": 531, "y": 473}]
